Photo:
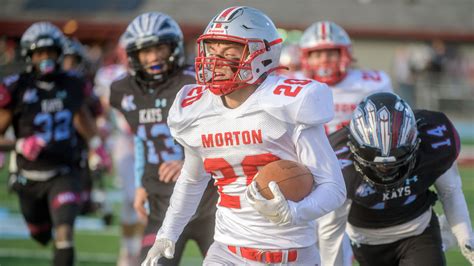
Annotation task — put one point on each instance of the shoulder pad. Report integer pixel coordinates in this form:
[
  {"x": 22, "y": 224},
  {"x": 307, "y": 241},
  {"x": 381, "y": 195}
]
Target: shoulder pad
[
  {"x": 437, "y": 133},
  {"x": 186, "y": 107},
  {"x": 117, "y": 90},
  {"x": 6, "y": 89},
  {"x": 189, "y": 71},
  {"x": 74, "y": 73},
  {"x": 371, "y": 80},
  {"x": 297, "y": 101}
]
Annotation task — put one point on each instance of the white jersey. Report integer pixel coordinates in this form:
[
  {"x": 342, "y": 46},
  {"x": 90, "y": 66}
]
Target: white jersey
[
  {"x": 351, "y": 90},
  {"x": 282, "y": 119}
]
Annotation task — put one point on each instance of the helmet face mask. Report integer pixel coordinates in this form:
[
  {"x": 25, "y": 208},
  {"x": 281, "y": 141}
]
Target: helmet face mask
[
  {"x": 384, "y": 140},
  {"x": 261, "y": 43},
  {"x": 149, "y": 30},
  {"x": 324, "y": 36}
]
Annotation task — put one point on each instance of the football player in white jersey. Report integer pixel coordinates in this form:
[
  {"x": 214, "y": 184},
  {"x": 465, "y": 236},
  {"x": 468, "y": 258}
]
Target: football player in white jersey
[
  {"x": 238, "y": 118},
  {"x": 326, "y": 56}
]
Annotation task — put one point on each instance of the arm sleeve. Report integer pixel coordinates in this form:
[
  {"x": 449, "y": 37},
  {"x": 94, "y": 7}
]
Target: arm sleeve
[
  {"x": 331, "y": 229},
  {"x": 139, "y": 164},
  {"x": 186, "y": 196},
  {"x": 449, "y": 187},
  {"x": 315, "y": 152}
]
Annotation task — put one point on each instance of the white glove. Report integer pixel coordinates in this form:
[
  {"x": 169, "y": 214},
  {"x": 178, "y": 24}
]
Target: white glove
[
  {"x": 276, "y": 210},
  {"x": 161, "y": 247},
  {"x": 467, "y": 250}
]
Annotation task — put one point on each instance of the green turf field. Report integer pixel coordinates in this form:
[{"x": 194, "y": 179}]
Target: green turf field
[{"x": 100, "y": 248}]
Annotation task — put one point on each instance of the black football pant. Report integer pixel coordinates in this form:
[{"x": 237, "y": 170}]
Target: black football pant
[{"x": 424, "y": 249}]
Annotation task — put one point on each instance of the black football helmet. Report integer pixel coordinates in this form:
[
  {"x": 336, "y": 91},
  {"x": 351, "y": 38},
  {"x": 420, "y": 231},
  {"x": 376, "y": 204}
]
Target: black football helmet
[
  {"x": 384, "y": 140},
  {"x": 42, "y": 35}
]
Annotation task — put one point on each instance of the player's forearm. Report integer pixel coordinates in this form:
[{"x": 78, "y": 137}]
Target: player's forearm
[
  {"x": 186, "y": 196},
  {"x": 139, "y": 165},
  {"x": 449, "y": 187},
  {"x": 324, "y": 199},
  {"x": 316, "y": 153},
  {"x": 85, "y": 124}
]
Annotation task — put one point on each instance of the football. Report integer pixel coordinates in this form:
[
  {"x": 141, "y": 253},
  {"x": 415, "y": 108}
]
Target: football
[{"x": 294, "y": 179}]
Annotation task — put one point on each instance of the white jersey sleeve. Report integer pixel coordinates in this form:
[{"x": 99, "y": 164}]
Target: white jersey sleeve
[
  {"x": 330, "y": 189},
  {"x": 186, "y": 196},
  {"x": 450, "y": 192},
  {"x": 309, "y": 102}
]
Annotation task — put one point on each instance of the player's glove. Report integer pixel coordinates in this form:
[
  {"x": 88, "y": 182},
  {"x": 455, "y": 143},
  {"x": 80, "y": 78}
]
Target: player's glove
[
  {"x": 276, "y": 210},
  {"x": 467, "y": 250},
  {"x": 161, "y": 247},
  {"x": 99, "y": 159},
  {"x": 30, "y": 147}
]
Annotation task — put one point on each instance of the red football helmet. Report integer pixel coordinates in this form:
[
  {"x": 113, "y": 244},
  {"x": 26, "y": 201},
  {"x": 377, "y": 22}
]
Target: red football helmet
[
  {"x": 262, "y": 47},
  {"x": 326, "y": 35}
]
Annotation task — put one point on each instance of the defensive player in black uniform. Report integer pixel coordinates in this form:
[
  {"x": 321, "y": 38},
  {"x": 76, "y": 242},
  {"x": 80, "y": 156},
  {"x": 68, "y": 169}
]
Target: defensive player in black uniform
[
  {"x": 45, "y": 107},
  {"x": 154, "y": 46},
  {"x": 390, "y": 158}
]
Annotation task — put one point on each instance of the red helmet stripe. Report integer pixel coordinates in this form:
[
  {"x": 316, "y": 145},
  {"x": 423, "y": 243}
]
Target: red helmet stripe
[
  {"x": 226, "y": 13},
  {"x": 323, "y": 30}
]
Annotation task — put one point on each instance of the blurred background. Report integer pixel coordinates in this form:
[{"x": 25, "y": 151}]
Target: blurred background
[{"x": 427, "y": 47}]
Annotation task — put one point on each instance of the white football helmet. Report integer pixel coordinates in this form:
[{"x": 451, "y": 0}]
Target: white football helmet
[
  {"x": 325, "y": 35},
  {"x": 290, "y": 57},
  {"x": 262, "y": 48}
]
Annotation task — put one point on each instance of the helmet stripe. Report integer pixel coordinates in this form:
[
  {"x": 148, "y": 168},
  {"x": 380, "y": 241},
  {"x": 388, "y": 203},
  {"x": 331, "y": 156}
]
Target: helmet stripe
[
  {"x": 226, "y": 13},
  {"x": 323, "y": 31}
]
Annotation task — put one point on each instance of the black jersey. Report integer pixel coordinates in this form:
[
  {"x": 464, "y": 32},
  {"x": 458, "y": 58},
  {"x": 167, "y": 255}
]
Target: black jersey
[
  {"x": 146, "y": 111},
  {"x": 45, "y": 108},
  {"x": 370, "y": 208}
]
